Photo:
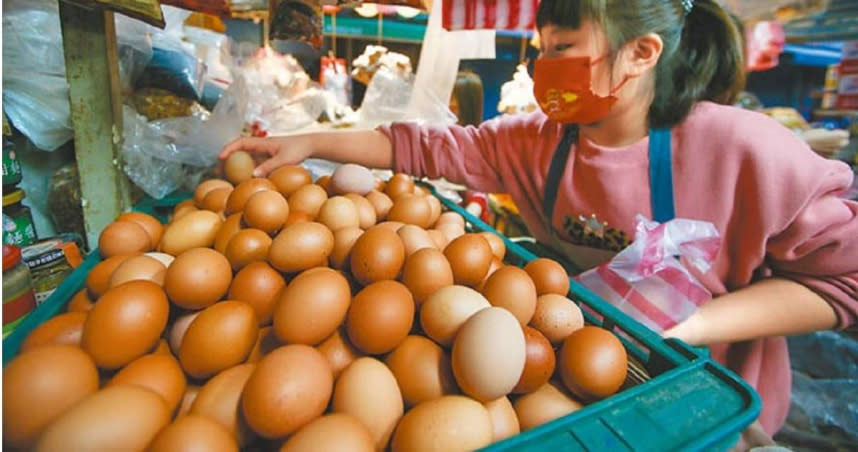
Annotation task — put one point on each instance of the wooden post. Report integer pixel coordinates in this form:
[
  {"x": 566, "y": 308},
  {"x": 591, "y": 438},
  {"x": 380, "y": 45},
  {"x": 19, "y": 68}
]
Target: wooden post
[{"x": 89, "y": 41}]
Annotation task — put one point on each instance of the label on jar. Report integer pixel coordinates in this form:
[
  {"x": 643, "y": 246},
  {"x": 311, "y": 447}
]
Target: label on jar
[
  {"x": 18, "y": 306},
  {"x": 18, "y": 231},
  {"x": 11, "y": 166}
]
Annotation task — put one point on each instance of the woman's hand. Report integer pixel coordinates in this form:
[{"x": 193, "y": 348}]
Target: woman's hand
[{"x": 271, "y": 152}]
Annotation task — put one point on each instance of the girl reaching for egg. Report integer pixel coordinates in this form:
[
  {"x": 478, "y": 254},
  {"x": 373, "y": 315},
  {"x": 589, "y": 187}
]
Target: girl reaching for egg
[{"x": 635, "y": 120}]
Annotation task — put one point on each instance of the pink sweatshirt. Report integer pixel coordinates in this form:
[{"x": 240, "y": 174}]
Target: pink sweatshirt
[{"x": 776, "y": 204}]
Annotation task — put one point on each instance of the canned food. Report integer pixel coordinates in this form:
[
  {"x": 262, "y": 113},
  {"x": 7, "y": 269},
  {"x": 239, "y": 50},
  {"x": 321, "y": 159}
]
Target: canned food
[
  {"x": 18, "y": 226},
  {"x": 18, "y": 297}
]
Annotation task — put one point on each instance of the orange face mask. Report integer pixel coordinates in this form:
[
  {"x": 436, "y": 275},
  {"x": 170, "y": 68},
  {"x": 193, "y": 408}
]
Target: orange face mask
[{"x": 563, "y": 90}]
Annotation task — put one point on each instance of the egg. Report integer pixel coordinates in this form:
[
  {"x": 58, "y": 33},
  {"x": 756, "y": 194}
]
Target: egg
[
  {"x": 266, "y": 210},
  {"x": 123, "y": 237},
  {"x": 247, "y": 246},
  {"x": 237, "y": 200},
  {"x": 377, "y": 255},
  {"x": 125, "y": 323},
  {"x": 426, "y": 271},
  {"x": 422, "y": 370},
  {"x": 344, "y": 240},
  {"x": 163, "y": 348},
  {"x": 512, "y": 289},
  {"x": 203, "y": 354},
  {"x": 504, "y": 419},
  {"x": 301, "y": 246},
  {"x": 549, "y": 276},
  {"x": 194, "y": 433},
  {"x": 351, "y": 178},
  {"x": 290, "y": 387},
  {"x": 153, "y": 227},
  {"x": 337, "y": 213},
  {"x": 194, "y": 230},
  {"x": 544, "y": 405},
  {"x": 367, "y": 390},
  {"x": 470, "y": 257},
  {"x": 449, "y": 423},
  {"x": 121, "y": 417},
  {"x": 308, "y": 199},
  {"x": 159, "y": 373},
  {"x": 496, "y": 243},
  {"x": 593, "y": 363},
  {"x": 394, "y": 226},
  {"x": 439, "y": 238},
  {"x": 80, "y": 302},
  {"x": 197, "y": 278},
  {"x": 226, "y": 231},
  {"x": 187, "y": 400},
  {"x": 556, "y": 317},
  {"x": 39, "y": 386},
  {"x": 381, "y": 203},
  {"x": 183, "y": 208},
  {"x": 219, "y": 400},
  {"x": 435, "y": 208},
  {"x": 451, "y": 231},
  {"x": 367, "y": 216},
  {"x": 380, "y": 317},
  {"x": 215, "y": 200},
  {"x": 411, "y": 209},
  {"x": 163, "y": 258},
  {"x": 312, "y": 307},
  {"x": 325, "y": 183},
  {"x": 265, "y": 343},
  {"x": 179, "y": 328},
  {"x": 238, "y": 167},
  {"x": 64, "y": 329},
  {"x": 332, "y": 432},
  {"x": 205, "y": 187},
  {"x": 493, "y": 267},
  {"x": 296, "y": 216},
  {"x": 398, "y": 185},
  {"x": 539, "y": 362},
  {"x": 136, "y": 268},
  {"x": 453, "y": 218},
  {"x": 339, "y": 351},
  {"x": 447, "y": 309},
  {"x": 289, "y": 178},
  {"x": 414, "y": 238},
  {"x": 258, "y": 285}
]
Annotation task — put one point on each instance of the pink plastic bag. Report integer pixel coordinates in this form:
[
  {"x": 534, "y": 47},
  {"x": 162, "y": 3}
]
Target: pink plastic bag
[{"x": 648, "y": 282}]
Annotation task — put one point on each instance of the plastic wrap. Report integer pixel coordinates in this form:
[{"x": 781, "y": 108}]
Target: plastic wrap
[
  {"x": 387, "y": 96},
  {"x": 141, "y": 148}
]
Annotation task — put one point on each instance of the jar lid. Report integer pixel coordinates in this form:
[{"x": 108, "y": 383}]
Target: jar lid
[
  {"x": 11, "y": 256},
  {"x": 13, "y": 197}
]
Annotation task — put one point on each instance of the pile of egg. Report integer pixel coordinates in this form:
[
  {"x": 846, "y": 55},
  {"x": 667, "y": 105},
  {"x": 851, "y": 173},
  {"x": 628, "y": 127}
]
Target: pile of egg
[{"x": 278, "y": 313}]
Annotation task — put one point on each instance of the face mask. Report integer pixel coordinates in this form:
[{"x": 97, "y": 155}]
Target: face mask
[{"x": 562, "y": 88}]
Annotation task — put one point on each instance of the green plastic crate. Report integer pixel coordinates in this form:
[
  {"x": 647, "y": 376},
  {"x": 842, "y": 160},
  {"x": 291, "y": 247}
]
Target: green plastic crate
[{"x": 688, "y": 401}]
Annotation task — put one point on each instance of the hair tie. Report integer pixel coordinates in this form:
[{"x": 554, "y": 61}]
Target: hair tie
[{"x": 687, "y": 5}]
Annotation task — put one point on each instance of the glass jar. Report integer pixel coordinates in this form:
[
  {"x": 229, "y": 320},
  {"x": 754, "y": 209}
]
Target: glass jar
[
  {"x": 50, "y": 261},
  {"x": 18, "y": 226},
  {"x": 18, "y": 297},
  {"x": 11, "y": 165}
]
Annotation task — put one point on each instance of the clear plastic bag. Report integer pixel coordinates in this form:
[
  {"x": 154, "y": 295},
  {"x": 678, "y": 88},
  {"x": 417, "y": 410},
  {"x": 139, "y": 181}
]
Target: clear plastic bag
[
  {"x": 387, "y": 96},
  {"x": 648, "y": 282}
]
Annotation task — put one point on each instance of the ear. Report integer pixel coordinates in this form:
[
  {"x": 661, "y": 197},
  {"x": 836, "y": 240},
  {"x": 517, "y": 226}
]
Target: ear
[{"x": 643, "y": 53}]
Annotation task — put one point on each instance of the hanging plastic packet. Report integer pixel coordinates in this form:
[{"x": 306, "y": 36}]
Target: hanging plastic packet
[{"x": 334, "y": 78}]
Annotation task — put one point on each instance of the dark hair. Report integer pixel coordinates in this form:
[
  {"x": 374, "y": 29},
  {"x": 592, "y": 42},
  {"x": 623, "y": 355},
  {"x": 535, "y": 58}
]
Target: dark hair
[
  {"x": 702, "y": 58},
  {"x": 468, "y": 91}
]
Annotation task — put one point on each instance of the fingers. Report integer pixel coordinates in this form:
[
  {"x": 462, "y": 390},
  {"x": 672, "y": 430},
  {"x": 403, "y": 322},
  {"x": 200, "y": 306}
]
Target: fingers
[
  {"x": 266, "y": 167},
  {"x": 252, "y": 145}
]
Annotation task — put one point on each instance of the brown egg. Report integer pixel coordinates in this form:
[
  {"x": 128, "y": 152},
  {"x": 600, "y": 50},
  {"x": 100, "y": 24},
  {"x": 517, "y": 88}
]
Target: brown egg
[
  {"x": 398, "y": 185},
  {"x": 198, "y": 278},
  {"x": 289, "y": 388},
  {"x": 301, "y": 246},
  {"x": 368, "y": 391},
  {"x": 439, "y": 238},
  {"x": 265, "y": 343},
  {"x": 179, "y": 328},
  {"x": 227, "y": 231},
  {"x": 377, "y": 255},
  {"x": 187, "y": 400},
  {"x": 512, "y": 289},
  {"x": 247, "y": 246},
  {"x": 549, "y": 276},
  {"x": 125, "y": 323},
  {"x": 121, "y": 417},
  {"x": 422, "y": 370},
  {"x": 123, "y": 237},
  {"x": 151, "y": 224},
  {"x": 451, "y": 231},
  {"x": 544, "y": 405},
  {"x": 449, "y": 423},
  {"x": 504, "y": 419},
  {"x": 436, "y": 209},
  {"x": 366, "y": 212},
  {"x": 470, "y": 257},
  {"x": 183, "y": 208},
  {"x": 325, "y": 183},
  {"x": 194, "y": 433},
  {"x": 556, "y": 317},
  {"x": 207, "y": 186},
  {"x": 296, "y": 216},
  {"x": 447, "y": 309},
  {"x": 204, "y": 354},
  {"x": 163, "y": 258},
  {"x": 414, "y": 238},
  {"x": 339, "y": 351},
  {"x": 39, "y": 386},
  {"x": 496, "y": 243},
  {"x": 215, "y": 200},
  {"x": 289, "y": 178},
  {"x": 258, "y": 285},
  {"x": 332, "y": 432},
  {"x": 539, "y": 362},
  {"x": 381, "y": 203},
  {"x": 308, "y": 199},
  {"x": 493, "y": 267},
  {"x": 163, "y": 348},
  {"x": 380, "y": 317},
  {"x": 593, "y": 363},
  {"x": 80, "y": 302},
  {"x": 143, "y": 268},
  {"x": 195, "y": 230},
  {"x": 64, "y": 329},
  {"x": 392, "y": 225},
  {"x": 338, "y": 212},
  {"x": 238, "y": 167},
  {"x": 158, "y": 373},
  {"x": 411, "y": 209},
  {"x": 243, "y": 191},
  {"x": 453, "y": 218},
  {"x": 266, "y": 210},
  {"x": 312, "y": 307},
  {"x": 219, "y": 398},
  {"x": 426, "y": 271},
  {"x": 344, "y": 240}
]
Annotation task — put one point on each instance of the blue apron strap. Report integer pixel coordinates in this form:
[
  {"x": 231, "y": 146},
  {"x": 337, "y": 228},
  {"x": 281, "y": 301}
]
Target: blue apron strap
[
  {"x": 661, "y": 175},
  {"x": 555, "y": 172}
]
